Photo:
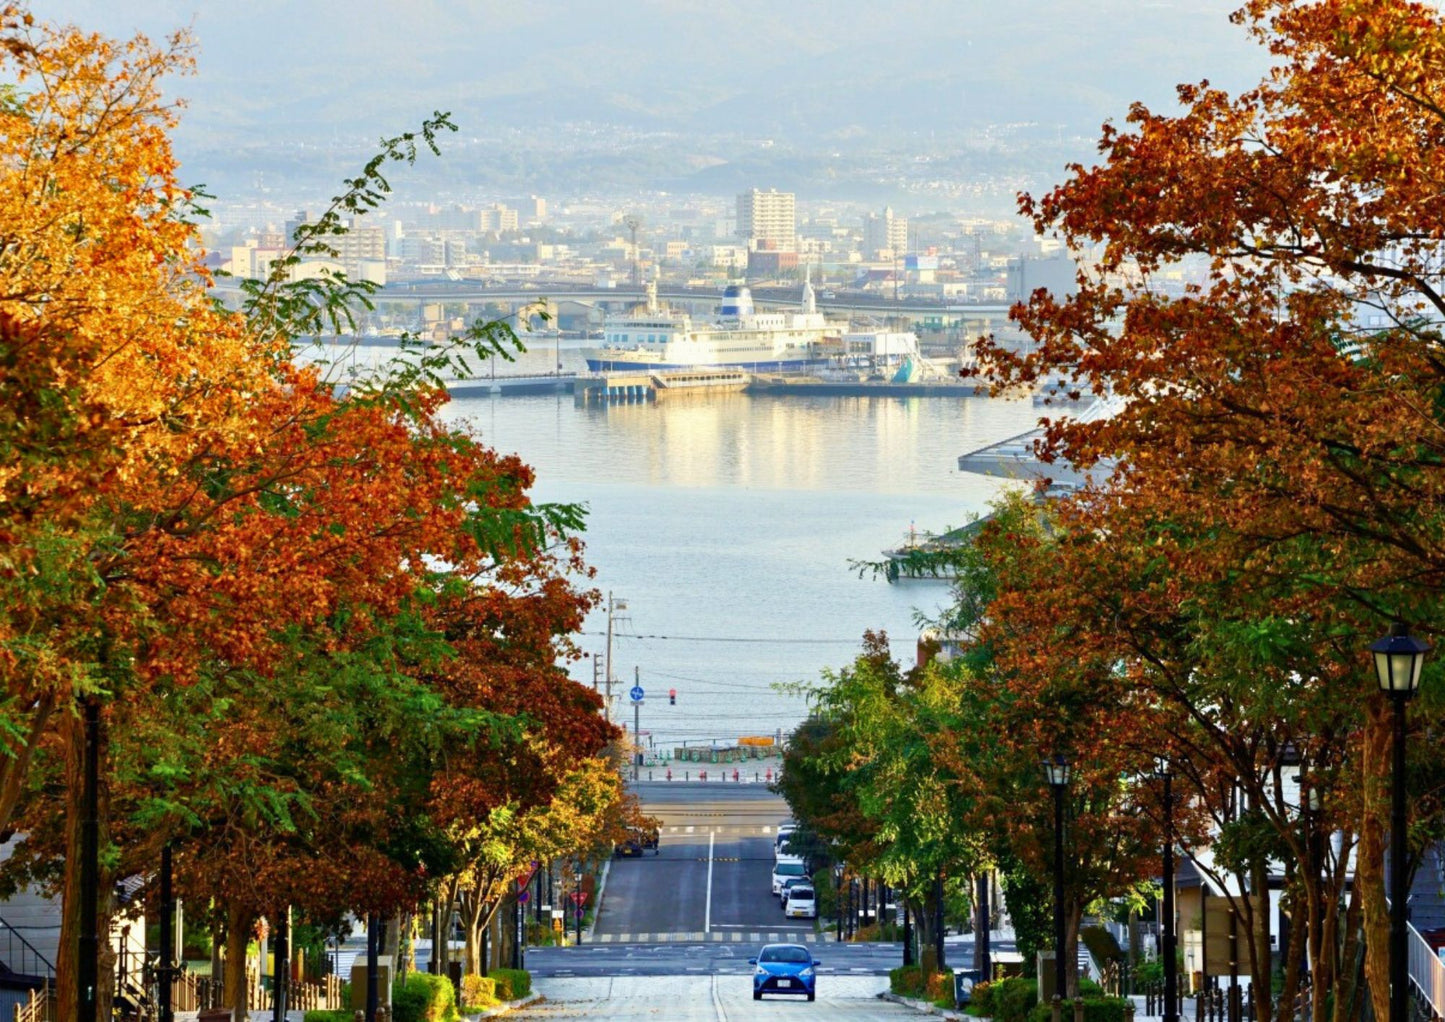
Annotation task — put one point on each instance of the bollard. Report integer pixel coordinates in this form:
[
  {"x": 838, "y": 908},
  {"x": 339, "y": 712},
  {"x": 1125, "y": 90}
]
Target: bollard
[
  {"x": 1078, "y": 1009},
  {"x": 669, "y": 773},
  {"x": 649, "y": 775},
  {"x": 702, "y": 775},
  {"x": 1129, "y": 1010},
  {"x": 735, "y": 775},
  {"x": 1057, "y": 1008},
  {"x": 685, "y": 775}
]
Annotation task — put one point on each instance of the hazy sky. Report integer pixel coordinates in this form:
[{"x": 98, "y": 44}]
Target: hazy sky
[{"x": 689, "y": 65}]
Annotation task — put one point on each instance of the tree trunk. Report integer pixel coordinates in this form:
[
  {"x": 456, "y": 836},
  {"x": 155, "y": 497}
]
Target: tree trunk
[
  {"x": 1073, "y": 922},
  {"x": 72, "y": 734},
  {"x": 1298, "y": 947},
  {"x": 1370, "y": 856},
  {"x": 471, "y": 912},
  {"x": 1261, "y": 964},
  {"x": 238, "y": 934}
]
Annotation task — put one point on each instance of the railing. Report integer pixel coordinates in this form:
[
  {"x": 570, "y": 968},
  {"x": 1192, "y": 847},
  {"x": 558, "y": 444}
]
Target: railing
[
  {"x": 193, "y": 993},
  {"x": 39, "y": 1008},
  {"x": 324, "y": 995},
  {"x": 1427, "y": 972},
  {"x": 19, "y": 956}
]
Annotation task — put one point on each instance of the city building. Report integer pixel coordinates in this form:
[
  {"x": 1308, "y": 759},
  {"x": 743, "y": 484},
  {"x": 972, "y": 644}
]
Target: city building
[
  {"x": 768, "y": 217},
  {"x": 884, "y": 235}
]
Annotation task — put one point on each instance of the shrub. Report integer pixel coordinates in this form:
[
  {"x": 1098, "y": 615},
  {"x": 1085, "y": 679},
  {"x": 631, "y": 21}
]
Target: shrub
[
  {"x": 906, "y": 980},
  {"x": 422, "y": 997},
  {"x": 512, "y": 984},
  {"x": 940, "y": 989},
  {"x": 1096, "y": 1009},
  {"x": 982, "y": 998},
  {"x": 322, "y": 1015},
  {"x": 1014, "y": 999},
  {"x": 479, "y": 991}
]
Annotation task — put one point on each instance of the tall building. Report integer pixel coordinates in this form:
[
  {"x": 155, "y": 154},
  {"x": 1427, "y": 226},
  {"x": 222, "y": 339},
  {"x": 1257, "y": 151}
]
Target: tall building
[
  {"x": 884, "y": 235},
  {"x": 768, "y": 217}
]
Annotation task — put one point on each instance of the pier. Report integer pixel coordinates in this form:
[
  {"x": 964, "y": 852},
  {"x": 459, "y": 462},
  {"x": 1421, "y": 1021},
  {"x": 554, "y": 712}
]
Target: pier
[{"x": 650, "y": 385}]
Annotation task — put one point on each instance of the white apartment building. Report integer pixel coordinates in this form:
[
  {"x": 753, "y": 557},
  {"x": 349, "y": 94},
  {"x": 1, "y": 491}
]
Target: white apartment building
[
  {"x": 884, "y": 235},
  {"x": 770, "y": 217}
]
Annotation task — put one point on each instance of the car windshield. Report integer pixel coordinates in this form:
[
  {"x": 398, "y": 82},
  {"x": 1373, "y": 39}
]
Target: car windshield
[
  {"x": 791, "y": 955},
  {"x": 800, "y": 894},
  {"x": 789, "y": 869}
]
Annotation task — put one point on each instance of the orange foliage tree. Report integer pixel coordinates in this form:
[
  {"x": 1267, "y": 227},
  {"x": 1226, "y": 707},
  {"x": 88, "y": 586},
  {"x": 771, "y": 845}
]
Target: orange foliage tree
[{"x": 1283, "y": 407}]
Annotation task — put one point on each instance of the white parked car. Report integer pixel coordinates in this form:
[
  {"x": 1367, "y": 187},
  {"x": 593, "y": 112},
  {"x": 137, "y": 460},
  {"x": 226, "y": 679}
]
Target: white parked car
[
  {"x": 802, "y": 903},
  {"x": 787, "y": 867}
]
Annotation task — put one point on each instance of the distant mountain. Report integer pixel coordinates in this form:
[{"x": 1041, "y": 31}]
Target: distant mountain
[{"x": 813, "y": 72}]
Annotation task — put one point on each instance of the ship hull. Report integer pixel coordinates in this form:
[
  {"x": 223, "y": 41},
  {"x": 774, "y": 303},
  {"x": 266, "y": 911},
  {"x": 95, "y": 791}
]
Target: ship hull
[{"x": 620, "y": 362}]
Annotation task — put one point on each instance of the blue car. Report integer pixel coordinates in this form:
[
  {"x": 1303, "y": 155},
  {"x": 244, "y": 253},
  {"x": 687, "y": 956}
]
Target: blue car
[{"x": 784, "y": 969}]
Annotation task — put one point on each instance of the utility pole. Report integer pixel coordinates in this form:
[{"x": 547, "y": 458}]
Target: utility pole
[
  {"x": 612, "y": 607},
  {"x": 636, "y": 725}
]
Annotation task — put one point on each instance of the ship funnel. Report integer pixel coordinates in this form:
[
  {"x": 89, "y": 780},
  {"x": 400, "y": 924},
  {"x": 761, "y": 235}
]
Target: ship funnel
[
  {"x": 652, "y": 295},
  {"x": 736, "y": 301}
]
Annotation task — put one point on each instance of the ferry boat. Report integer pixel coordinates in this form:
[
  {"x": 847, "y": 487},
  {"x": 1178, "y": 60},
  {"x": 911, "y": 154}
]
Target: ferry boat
[{"x": 737, "y": 337}]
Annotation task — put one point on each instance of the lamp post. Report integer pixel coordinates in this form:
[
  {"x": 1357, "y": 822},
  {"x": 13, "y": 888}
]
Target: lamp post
[
  {"x": 1167, "y": 939},
  {"x": 1057, "y": 769},
  {"x": 1399, "y": 657}
]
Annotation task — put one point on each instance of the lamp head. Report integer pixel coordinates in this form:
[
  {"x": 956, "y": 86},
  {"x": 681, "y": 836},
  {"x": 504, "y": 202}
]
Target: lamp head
[
  {"x": 1399, "y": 658},
  {"x": 1058, "y": 769}
]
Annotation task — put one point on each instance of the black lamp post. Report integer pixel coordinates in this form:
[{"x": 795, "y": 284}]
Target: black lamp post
[
  {"x": 1057, "y": 769},
  {"x": 1399, "y": 657},
  {"x": 1167, "y": 939}
]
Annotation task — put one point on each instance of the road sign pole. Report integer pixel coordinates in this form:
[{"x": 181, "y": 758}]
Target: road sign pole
[{"x": 636, "y": 731}]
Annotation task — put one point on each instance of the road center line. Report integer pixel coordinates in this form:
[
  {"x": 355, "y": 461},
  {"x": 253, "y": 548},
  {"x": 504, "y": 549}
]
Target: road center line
[{"x": 707, "y": 910}]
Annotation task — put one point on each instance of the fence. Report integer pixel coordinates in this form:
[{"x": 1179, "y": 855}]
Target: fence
[{"x": 39, "y": 1008}]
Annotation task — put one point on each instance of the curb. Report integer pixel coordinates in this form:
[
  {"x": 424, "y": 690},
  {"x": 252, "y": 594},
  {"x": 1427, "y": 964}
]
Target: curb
[
  {"x": 925, "y": 1007},
  {"x": 510, "y": 1006},
  {"x": 597, "y": 908}
]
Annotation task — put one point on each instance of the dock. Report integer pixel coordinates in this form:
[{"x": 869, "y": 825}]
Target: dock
[
  {"x": 812, "y": 385},
  {"x": 651, "y": 385}
]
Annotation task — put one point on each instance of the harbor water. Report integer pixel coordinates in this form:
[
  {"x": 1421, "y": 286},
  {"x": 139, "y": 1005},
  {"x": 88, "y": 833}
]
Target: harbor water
[{"x": 731, "y": 525}]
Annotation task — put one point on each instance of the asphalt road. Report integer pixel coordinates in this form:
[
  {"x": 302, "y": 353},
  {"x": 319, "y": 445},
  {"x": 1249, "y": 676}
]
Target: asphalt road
[
  {"x": 700, "y": 958},
  {"x": 712, "y": 877},
  {"x": 705, "y": 999}
]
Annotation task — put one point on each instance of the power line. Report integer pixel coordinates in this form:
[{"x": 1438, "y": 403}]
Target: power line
[{"x": 732, "y": 638}]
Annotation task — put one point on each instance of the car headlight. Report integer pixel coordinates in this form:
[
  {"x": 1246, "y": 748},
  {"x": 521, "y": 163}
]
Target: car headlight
[
  {"x": 760, "y": 971},
  {"x": 807, "y": 973}
]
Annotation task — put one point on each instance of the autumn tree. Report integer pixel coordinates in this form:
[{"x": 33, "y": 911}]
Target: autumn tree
[{"x": 1288, "y": 398}]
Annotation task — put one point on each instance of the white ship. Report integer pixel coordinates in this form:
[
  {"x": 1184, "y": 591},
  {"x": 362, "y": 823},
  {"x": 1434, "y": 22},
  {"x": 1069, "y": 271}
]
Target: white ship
[{"x": 736, "y": 338}]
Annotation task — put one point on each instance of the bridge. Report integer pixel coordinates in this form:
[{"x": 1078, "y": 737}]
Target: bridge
[{"x": 521, "y": 293}]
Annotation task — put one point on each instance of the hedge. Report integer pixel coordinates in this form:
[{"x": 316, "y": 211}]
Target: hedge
[
  {"x": 478, "y": 992},
  {"x": 422, "y": 997},
  {"x": 1013, "y": 999},
  {"x": 1096, "y": 1009},
  {"x": 512, "y": 984},
  {"x": 325, "y": 1015}
]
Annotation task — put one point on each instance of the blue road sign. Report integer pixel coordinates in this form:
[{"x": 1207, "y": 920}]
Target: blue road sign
[{"x": 636, "y": 693}]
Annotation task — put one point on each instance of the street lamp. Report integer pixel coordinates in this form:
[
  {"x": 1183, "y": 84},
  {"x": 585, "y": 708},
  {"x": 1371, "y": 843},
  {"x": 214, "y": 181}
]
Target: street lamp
[
  {"x": 1167, "y": 939},
  {"x": 1399, "y": 657},
  {"x": 1057, "y": 769}
]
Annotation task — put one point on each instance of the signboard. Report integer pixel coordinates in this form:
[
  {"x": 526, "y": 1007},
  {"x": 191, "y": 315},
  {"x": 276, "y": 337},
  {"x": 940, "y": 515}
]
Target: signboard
[
  {"x": 635, "y": 693},
  {"x": 557, "y": 922},
  {"x": 579, "y": 898},
  {"x": 581, "y": 911},
  {"x": 524, "y": 896}
]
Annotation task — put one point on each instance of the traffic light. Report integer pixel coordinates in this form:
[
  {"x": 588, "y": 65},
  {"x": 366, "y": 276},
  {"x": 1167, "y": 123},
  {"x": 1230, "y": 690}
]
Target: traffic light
[{"x": 672, "y": 697}]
